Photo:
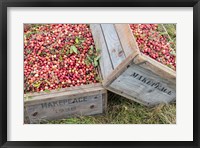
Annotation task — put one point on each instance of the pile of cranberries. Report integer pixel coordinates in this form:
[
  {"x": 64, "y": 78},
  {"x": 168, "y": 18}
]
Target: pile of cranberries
[
  {"x": 58, "y": 56},
  {"x": 154, "y": 43}
]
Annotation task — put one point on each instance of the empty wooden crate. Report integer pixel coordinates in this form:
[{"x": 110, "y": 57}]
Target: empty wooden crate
[{"x": 128, "y": 72}]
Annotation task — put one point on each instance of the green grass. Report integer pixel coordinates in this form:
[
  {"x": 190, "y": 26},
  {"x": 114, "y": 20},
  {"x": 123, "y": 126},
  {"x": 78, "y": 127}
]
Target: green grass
[
  {"x": 123, "y": 111},
  {"x": 171, "y": 29}
]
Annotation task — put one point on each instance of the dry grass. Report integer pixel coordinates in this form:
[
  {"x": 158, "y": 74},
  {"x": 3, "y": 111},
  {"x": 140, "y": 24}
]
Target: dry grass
[{"x": 123, "y": 111}]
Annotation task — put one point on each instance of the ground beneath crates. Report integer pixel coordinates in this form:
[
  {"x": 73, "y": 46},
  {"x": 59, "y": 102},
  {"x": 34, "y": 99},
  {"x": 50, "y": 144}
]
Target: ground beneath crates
[{"x": 123, "y": 111}]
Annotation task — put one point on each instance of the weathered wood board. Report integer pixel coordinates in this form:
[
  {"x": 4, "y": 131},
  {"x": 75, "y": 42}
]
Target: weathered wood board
[
  {"x": 144, "y": 86},
  {"x": 26, "y": 118},
  {"x": 127, "y": 39},
  {"x": 156, "y": 67},
  {"x": 105, "y": 62},
  {"x": 64, "y": 107},
  {"x": 113, "y": 43},
  {"x": 154, "y": 82},
  {"x": 86, "y": 100}
]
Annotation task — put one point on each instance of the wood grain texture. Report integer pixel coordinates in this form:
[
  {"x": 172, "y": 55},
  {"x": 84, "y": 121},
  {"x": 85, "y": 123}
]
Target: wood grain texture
[
  {"x": 64, "y": 107},
  {"x": 156, "y": 67},
  {"x": 26, "y": 118},
  {"x": 87, "y": 100},
  {"x": 119, "y": 69},
  {"x": 100, "y": 43},
  {"x": 75, "y": 93},
  {"x": 67, "y": 89},
  {"x": 105, "y": 101},
  {"x": 113, "y": 43},
  {"x": 145, "y": 86},
  {"x": 127, "y": 39}
]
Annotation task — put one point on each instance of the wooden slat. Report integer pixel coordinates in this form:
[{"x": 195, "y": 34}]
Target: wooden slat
[
  {"x": 64, "y": 107},
  {"x": 67, "y": 89},
  {"x": 113, "y": 43},
  {"x": 105, "y": 62},
  {"x": 75, "y": 93},
  {"x": 156, "y": 67},
  {"x": 120, "y": 68},
  {"x": 105, "y": 101},
  {"x": 59, "y": 105},
  {"x": 144, "y": 85},
  {"x": 26, "y": 118},
  {"x": 127, "y": 40}
]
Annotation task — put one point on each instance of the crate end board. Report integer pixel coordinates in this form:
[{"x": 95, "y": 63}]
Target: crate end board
[
  {"x": 60, "y": 105},
  {"x": 85, "y": 88},
  {"x": 156, "y": 67},
  {"x": 106, "y": 65},
  {"x": 138, "y": 83},
  {"x": 116, "y": 44},
  {"x": 139, "y": 100}
]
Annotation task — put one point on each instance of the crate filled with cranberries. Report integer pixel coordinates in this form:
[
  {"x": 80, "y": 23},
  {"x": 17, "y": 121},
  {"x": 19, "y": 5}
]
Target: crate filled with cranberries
[{"x": 61, "y": 72}]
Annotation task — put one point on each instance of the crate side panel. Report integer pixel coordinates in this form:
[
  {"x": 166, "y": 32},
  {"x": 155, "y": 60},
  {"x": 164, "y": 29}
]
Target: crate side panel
[
  {"x": 105, "y": 61},
  {"x": 113, "y": 43},
  {"x": 145, "y": 86},
  {"x": 26, "y": 118},
  {"x": 67, "y": 89},
  {"x": 105, "y": 101},
  {"x": 76, "y": 93},
  {"x": 156, "y": 67},
  {"x": 64, "y": 107},
  {"x": 127, "y": 39}
]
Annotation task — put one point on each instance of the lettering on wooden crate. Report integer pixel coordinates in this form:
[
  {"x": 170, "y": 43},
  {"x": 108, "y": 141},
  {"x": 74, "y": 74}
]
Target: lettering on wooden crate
[
  {"x": 62, "y": 110},
  {"x": 63, "y": 102},
  {"x": 142, "y": 85},
  {"x": 64, "y": 107},
  {"x": 151, "y": 83}
]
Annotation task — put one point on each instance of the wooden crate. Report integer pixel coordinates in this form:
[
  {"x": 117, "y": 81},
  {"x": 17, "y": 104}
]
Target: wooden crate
[
  {"x": 68, "y": 102},
  {"x": 128, "y": 72}
]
